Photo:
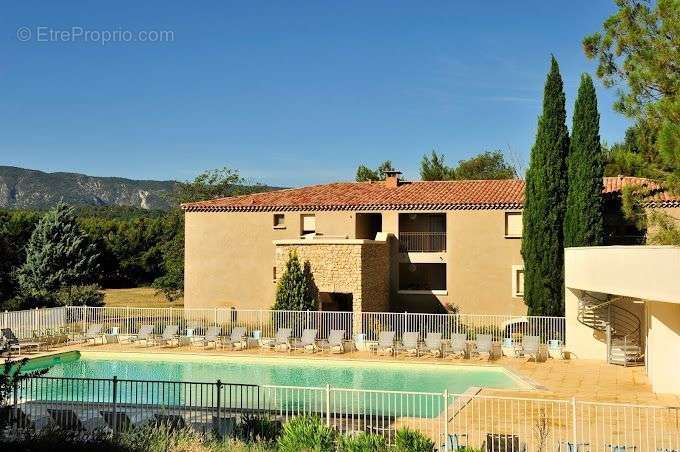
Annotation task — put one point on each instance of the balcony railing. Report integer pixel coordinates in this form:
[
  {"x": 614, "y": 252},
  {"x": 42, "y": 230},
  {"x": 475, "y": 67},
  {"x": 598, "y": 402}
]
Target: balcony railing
[{"x": 422, "y": 242}]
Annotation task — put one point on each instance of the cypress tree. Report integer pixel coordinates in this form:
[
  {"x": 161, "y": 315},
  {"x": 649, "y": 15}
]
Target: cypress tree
[
  {"x": 545, "y": 202},
  {"x": 296, "y": 290},
  {"x": 583, "y": 221}
]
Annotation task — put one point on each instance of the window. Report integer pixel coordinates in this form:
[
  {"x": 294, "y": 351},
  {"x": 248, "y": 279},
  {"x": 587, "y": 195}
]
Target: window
[
  {"x": 518, "y": 281},
  {"x": 308, "y": 224},
  {"x": 513, "y": 224},
  {"x": 274, "y": 273},
  {"x": 279, "y": 221},
  {"x": 414, "y": 278}
]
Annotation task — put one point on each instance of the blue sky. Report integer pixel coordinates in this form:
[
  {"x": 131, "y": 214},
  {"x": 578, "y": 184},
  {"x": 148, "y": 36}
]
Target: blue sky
[{"x": 289, "y": 93}]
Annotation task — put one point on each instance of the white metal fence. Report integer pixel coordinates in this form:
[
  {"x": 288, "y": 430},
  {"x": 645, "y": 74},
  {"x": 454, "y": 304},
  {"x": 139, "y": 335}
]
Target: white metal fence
[
  {"x": 492, "y": 422},
  {"x": 26, "y": 323},
  {"x": 128, "y": 320}
]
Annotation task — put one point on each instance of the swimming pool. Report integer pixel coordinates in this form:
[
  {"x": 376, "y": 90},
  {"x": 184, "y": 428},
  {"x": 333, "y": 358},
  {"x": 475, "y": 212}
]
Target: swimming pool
[
  {"x": 285, "y": 371},
  {"x": 283, "y": 384}
]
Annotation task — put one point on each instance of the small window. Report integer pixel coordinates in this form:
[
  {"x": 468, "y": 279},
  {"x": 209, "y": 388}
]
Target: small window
[
  {"x": 279, "y": 221},
  {"x": 513, "y": 224},
  {"x": 517, "y": 281},
  {"x": 274, "y": 273},
  {"x": 308, "y": 224}
]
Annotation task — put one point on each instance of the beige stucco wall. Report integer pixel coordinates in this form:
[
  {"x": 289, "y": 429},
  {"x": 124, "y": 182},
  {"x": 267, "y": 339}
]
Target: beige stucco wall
[
  {"x": 480, "y": 261},
  {"x": 229, "y": 259},
  {"x": 648, "y": 273},
  {"x": 663, "y": 346}
]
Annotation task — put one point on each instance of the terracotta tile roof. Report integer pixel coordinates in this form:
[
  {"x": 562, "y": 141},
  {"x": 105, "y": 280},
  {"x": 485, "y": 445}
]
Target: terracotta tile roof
[{"x": 419, "y": 195}]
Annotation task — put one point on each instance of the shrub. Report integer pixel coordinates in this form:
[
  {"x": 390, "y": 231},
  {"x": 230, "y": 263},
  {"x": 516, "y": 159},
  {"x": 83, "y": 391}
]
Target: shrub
[
  {"x": 258, "y": 428},
  {"x": 306, "y": 433},
  {"x": 408, "y": 440},
  {"x": 85, "y": 295},
  {"x": 362, "y": 442}
]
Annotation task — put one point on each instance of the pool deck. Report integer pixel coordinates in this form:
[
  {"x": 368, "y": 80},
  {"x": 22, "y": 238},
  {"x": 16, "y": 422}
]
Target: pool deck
[{"x": 586, "y": 380}]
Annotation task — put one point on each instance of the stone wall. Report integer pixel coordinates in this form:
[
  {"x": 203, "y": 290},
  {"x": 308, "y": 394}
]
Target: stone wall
[{"x": 359, "y": 267}]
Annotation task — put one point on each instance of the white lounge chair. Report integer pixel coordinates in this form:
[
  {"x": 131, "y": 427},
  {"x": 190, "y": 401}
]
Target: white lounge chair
[
  {"x": 335, "y": 342},
  {"x": 385, "y": 343},
  {"x": 12, "y": 342},
  {"x": 530, "y": 346},
  {"x": 169, "y": 335},
  {"x": 144, "y": 334},
  {"x": 458, "y": 345},
  {"x": 237, "y": 339},
  {"x": 281, "y": 342},
  {"x": 212, "y": 336},
  {"x": 433, "y": 344},
  {"x": 483, "y": 344},
  {"x": 410, "y": 343},
  {"x": 307, "y": 341}
]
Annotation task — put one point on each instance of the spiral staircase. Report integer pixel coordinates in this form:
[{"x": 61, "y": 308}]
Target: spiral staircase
[{"x": 620, "y": 327}]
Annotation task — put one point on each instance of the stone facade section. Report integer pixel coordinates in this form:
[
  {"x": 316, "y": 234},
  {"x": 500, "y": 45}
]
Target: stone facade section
[{"x": 359, "y": 267}]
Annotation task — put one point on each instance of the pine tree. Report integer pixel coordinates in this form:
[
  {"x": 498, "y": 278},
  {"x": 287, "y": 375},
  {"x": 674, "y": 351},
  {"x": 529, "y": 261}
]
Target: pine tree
[
  {"x": 545, "y": 202},
  {"x": 58, "y": 255},
  {"x": 583, "y": 220},
  {"x": 296, "y": 290}
]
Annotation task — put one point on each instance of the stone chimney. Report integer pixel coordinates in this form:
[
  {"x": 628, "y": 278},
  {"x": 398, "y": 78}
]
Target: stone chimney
[{"x": 392, "y": 178}]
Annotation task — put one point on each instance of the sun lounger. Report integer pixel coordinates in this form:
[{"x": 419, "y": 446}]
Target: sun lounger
[
  {"x": 530, "y": 346},
  {"x": 12, "y": 342},
  {"x": 454, "y": 442},
  {"x": 281, "y": 342},
  {"x": 212, "y": 336},
  {"x": 94, "y": 333},
  {"x": 171, "y": 421},
  {"x": 572, "y": 447},
  {"x": 169, "y": 335},
  {"x": 621, "y": 448},
  {"x": 145, "y": 334},
  {"x": 119, "y": 421},
  {"x": 458, "y": 345},
  {"x": 335, "y": 342},
  {"x": 385, "y": 343},
  {"x": 66, "y": 419},
  {"x": 483, "y": 344},
  {"x": 237, "y": 340},
  {"x": 21, "y": 420},
  {"x": 433, "y": 344},
  {"x": 409, "y": 343},
  {"x": 500, "y": 442},
  {"x": 307, "y": 341}
]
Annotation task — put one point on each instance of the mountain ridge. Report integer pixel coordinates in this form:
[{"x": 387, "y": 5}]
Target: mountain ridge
[{"x": 24, "y": 188}]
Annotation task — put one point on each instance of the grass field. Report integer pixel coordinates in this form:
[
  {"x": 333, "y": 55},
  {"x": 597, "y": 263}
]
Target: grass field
[{"x": 140, "y": 297}]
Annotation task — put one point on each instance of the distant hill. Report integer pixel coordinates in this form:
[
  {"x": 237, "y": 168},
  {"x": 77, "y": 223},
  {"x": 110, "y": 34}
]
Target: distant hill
[{"x": 31, "y": 189}]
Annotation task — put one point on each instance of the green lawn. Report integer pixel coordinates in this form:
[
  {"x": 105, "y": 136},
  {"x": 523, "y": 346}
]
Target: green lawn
[{"x": 140, "y": 297}]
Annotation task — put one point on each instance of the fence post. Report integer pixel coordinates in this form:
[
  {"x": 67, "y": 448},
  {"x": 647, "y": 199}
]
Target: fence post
[
  {"x": 215, "y": 317},
  {"x": 219, "y": 405},
  {"x": 573, "y": 419},
  {"x": 113, "y": 407},
  {"x": 446, "y": 420},
  {"x": 328, "y": 405},
  {"x": 15, "y": 401}
]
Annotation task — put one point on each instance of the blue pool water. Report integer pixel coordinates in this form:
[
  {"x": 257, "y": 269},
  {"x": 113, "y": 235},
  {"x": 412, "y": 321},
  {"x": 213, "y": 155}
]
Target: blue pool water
[
  {"x": 278, "y": 371},
  {"x": 147, "y": 379}
]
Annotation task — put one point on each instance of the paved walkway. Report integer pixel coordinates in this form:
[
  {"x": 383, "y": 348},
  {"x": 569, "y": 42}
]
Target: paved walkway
[{"x": 586, "y": 380}]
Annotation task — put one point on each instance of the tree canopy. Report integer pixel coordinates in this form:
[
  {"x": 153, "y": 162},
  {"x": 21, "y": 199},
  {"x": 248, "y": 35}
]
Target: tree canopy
[
  {"x": 487, "y": 165},
  {"x": 638, "y": 50},
  {"x": 584, "y": 216},
  {"x": 365, "y": 174},
  {"x": 545, "y": 202}
]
